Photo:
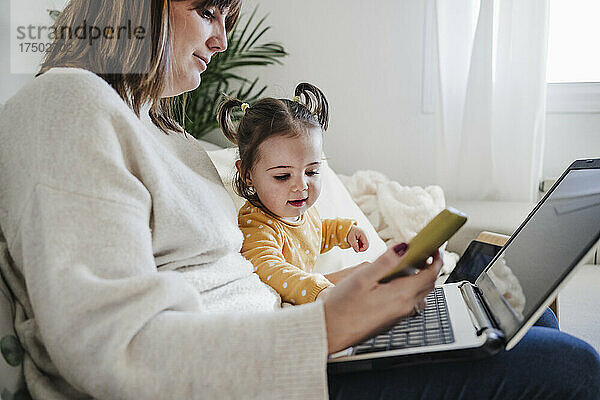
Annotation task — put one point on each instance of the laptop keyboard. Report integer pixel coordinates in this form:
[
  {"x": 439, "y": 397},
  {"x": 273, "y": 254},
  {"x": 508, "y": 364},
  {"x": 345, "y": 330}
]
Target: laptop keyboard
[{"x": 431, "y": 326}]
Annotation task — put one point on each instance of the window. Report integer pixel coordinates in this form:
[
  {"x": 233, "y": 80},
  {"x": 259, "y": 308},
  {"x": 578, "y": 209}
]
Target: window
[{"x": 573, "y": 69}]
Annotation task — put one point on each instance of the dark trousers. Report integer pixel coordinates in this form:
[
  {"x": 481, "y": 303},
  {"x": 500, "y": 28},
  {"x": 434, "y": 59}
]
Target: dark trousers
[{"x": 546, "y": 364}]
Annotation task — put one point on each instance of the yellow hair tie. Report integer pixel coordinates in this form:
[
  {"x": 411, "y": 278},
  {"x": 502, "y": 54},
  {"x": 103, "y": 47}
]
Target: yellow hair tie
[
  {"x": 296, "y": 99},
  {"x": 244, "y": 106}
]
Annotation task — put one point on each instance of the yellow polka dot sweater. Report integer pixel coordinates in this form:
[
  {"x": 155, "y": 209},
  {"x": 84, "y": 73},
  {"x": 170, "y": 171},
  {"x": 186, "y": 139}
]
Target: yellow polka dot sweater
[{"x": 284, "y": 253}]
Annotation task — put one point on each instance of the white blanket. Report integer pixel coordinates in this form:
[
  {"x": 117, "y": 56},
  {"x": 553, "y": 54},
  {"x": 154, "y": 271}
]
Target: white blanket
[{"x": 397, "y": 212}]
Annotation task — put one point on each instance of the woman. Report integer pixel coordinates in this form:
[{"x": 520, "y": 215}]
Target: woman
[{"x": 123, "y": 247}]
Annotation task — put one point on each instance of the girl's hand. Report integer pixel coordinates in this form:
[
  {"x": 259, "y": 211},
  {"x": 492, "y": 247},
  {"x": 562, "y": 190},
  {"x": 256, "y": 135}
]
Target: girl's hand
[
  {"x": 359, "y": 306},
  {"x": 357, "y": 239}
]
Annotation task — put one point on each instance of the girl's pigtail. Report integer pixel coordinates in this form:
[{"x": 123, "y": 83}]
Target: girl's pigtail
[
  {"x": 224, "y": 116},
  {"x": 315, "y": 101}
]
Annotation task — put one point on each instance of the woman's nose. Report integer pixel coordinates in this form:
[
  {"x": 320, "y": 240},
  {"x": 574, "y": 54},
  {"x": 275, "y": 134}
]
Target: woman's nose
[{"x": 217, "y": 42}]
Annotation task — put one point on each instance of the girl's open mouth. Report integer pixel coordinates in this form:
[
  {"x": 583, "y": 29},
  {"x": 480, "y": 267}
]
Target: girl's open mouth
[{"x": 297, "y": 203}]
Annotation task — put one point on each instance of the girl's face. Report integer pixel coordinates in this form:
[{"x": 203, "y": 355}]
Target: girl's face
[
  {"x": 286, "y": 174},
  {"x": 197, "y": 34}
]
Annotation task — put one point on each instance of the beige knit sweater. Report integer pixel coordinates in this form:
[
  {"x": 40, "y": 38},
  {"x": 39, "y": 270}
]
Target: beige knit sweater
[{"x": 123, "y": 254}]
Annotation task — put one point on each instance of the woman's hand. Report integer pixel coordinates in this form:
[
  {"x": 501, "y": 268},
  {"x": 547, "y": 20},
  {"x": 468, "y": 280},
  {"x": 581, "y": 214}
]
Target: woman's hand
[
  {"x": 359, "y": 306},
  {"x": 357, "y": 239},
  {"x": 335, "y": 277}
]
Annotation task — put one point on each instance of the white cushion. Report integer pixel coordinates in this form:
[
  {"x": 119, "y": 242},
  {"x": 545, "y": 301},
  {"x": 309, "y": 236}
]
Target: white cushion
[
  {"x": 494, "y": 216},
  {"x": 335, "y": 201}
]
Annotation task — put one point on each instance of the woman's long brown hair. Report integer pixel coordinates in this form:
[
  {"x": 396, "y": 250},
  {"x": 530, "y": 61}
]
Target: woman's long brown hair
[{"x": 136, "y": 68}]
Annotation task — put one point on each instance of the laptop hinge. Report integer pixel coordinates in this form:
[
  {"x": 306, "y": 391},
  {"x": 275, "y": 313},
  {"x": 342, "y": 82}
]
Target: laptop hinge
[{"x": 478, "y": 312}]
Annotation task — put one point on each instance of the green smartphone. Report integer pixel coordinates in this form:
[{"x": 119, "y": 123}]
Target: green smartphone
[{"x": 427, "y": 241}]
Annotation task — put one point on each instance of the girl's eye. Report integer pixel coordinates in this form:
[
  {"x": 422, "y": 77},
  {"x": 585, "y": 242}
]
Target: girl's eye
[
  {"x": 312, "y": 173},
  {"x": 282, "y": 177}
]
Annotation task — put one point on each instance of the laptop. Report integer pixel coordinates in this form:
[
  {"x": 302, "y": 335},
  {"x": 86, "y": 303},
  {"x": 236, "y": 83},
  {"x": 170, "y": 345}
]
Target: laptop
[{"x": 465, "y": 320}]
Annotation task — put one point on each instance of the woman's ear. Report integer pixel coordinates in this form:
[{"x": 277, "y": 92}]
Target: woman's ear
[{"x": 247, "y": 178}]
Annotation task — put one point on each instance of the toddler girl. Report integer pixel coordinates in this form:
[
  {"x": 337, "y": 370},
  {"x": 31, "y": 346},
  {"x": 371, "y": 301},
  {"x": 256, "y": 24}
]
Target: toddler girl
[{"x": 280, "y": 147}]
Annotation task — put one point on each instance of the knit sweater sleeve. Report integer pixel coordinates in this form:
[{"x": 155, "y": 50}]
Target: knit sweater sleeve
[
  {"x": 79, "y": 220},
  {"x": 263, "y": 247},
  {"x": 335, "y": 233}
]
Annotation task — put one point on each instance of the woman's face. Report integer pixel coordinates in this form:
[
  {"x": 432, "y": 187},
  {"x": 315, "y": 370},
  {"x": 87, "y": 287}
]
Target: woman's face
[{"x": 198, "y": 34}]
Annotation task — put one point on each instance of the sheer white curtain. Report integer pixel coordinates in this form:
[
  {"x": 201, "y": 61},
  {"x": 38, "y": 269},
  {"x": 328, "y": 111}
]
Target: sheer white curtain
[{"x": 492, "y": 65}]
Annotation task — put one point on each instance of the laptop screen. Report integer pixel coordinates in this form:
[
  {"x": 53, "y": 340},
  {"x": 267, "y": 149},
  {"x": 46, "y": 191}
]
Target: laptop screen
[{"x": 561, "y": 231}]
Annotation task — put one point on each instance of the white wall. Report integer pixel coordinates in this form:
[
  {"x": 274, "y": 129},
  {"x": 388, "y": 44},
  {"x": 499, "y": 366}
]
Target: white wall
[
  {"x": 368, "y": 59},
  {"x": 569, "y": 137}
]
